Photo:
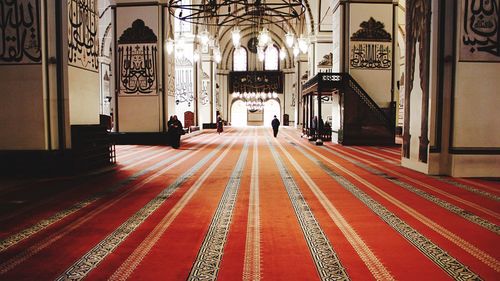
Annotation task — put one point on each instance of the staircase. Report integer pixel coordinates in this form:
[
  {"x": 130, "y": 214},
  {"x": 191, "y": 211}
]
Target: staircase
[{"x": 364, "y": 122}]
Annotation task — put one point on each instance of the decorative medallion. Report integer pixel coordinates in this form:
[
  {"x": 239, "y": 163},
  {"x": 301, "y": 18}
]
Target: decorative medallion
[
  {"x": 371, "y": 30},
  {"x": 252, "y": 44}
]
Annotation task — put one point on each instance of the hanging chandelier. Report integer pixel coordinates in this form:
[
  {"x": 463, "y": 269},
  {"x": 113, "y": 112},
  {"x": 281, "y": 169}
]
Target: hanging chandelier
[
  {"x": 254, "y": 88},
  {"x": 210, "y": 15},
  {"x": 234, "y": 12}
]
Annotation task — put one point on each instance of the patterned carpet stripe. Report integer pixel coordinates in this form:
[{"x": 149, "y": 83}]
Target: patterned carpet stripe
[
  {"x": 449, "y": 264},
  {"x": 373, "y": 263},
  {"x": 477, "y": 183},
  {"x": 132, "y": 262},
  {"x": 251, "y": 266},
  {"x": 94, "y": 181},
  {"x": 82, "y": 267},
  {"x": 418, "y": 182},
  {"x": 63, "y": 195},
  {"x": 207, "y": 263},
  {"x": 374, "y": 151},
  {"x": 39, "y": 246},
  {"x": 481, "y": 255},
  {"x": 327, "y": 263},
  {"x": 128, "y": 156},
  {"x": 431, "y": 198},
  {"x": 45, "y": 223},
  {"x": 136, "y": 162},
  {"x": 469, "y": 188},
  {"x": 254, "y": 220},
  {"x": 391, "y": 151},
  {"x": 368, "y": 153}
]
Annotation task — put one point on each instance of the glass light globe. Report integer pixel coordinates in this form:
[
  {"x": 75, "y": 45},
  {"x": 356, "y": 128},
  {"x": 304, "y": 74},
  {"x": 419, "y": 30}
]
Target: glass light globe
[
  {"x": 282, "y": 53},
  {"x": 204, "y": 37},
  {"x": 296, "y": 50},
  {"x": 264, "y": 37},
  {"x": 275, "y": 95},
  {"x": 235, "y": 94},
  {"x": 169, "y": 45},
  {"x": 236, "y": 37},
  {"x": 303, "y": 44},
  {"x": 289, "y": 39}
]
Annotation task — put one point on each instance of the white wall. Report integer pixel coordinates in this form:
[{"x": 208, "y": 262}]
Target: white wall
[
  {"x": 476, "y": 105},
  {"x": 22, "y": 108},
  {"x": 336, "y": 40},
  {"x": 140, "y": 114},
  {"x": 84, "y": 97}
]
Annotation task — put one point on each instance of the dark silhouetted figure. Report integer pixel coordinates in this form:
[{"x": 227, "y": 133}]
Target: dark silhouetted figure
[
  {"x": 170, "y": 135},
  {"x": 220, "y": 125},
  {"x": 175, "y": 129},
  {"x": 276, "y": 125}
]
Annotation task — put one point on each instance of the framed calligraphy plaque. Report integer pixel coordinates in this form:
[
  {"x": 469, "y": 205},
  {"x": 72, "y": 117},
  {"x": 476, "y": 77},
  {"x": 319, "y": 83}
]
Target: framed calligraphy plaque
[{"x": 479, "y": 30}]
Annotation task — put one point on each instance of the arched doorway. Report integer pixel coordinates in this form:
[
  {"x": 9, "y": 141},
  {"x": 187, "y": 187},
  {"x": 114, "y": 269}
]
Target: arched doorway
[
  {"x": 271, "y": 108},
  {"x": 238, "y": 114}
]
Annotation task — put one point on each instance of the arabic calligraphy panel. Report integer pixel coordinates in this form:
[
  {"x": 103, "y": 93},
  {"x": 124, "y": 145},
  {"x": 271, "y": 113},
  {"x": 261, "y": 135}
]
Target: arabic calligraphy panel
[
  {"x": 83, "y": 45},
  {"x": 138, "y": 69},
  {"x": 371, "y": 55},
  {"x": 479, "y": 31},
  {"x": 20, "y": 32},
  {"x": 371, "y": 46},
  {"x": 184, "y": 83}
]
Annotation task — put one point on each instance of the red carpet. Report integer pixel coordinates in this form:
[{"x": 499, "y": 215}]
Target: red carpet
[{"x": 244, "y": 205}]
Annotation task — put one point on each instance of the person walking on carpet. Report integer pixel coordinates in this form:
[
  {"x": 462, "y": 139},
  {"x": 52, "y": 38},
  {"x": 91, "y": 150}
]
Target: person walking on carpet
[
  {"x": 275, "y": 124},
  {"x": 220, "y": 125}
]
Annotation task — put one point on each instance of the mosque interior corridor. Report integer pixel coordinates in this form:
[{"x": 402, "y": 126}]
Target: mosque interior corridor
[
  {"x": 244, "y": 205},
  {"x": 138, "y": 140}
]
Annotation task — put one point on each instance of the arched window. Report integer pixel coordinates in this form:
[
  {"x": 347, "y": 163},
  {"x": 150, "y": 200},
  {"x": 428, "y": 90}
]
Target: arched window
[
  {"x": 271, "y": 61},
  {"x": 240, "y": 59}
]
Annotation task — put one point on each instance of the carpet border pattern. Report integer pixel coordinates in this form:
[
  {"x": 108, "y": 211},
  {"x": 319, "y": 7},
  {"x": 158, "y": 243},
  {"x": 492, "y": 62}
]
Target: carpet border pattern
[
  {"x": 325, "y": 258},
  {"x": 449, "y": 264},
  {"x": 81, "y": 268},
  {"x": 207, "y": 263}
]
